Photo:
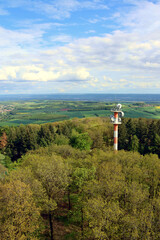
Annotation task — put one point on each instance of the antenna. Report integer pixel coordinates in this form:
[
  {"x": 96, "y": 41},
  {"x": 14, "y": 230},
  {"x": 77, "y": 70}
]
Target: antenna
[{"x": 116, "y": 120}]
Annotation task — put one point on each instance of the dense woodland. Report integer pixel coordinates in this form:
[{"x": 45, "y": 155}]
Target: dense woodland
[
  {"x": 141, "y": 135},
  {"x": 63, "y": 181}
]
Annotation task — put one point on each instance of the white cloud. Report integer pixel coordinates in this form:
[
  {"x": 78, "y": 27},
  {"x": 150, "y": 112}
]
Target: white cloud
[
  {"x": 107, "y": 79},
  {"x": 61, "y": 38},
  {"x": 121, "y": 59},
  {"x": 39, "y": 73},
  {"x": 95, "y": 20},
  {"x": 84, "y": 60},
  {"x": 56, "y": 9},
  {"x": 22, "y": 38},
  {"x": 123, "y": 80},
  {"x": 144, "y": 16},
  {"x": 90, "y": 31},
  {"x": 7, "y": 73}
]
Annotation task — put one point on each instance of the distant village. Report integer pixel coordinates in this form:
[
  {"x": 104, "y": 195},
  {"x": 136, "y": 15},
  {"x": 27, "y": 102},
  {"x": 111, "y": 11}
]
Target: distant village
[{"x": 6, "y": 108}]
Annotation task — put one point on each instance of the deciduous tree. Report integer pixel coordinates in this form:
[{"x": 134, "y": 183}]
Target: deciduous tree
[{"x": 19, "y": 217}]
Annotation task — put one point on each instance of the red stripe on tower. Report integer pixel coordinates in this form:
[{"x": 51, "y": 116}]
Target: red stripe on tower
[
  {"x": 116, "y": 120},
  {"x": 115, "y": 137}
]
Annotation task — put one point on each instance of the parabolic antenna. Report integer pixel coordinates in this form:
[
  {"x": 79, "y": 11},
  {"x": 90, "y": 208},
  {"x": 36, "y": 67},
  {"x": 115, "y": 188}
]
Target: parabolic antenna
[
  {"x": 112, "y": 118},
  {"x": 119, "y": 106},
  {"x": 121, "y": 114}
]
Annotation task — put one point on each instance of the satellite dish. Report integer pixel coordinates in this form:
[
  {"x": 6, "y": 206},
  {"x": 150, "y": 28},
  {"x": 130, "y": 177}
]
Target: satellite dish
[
  {"x": 119, "y": 106},
  {"x": 121, "y": 114},
  {"x": 112, "y": 118}
]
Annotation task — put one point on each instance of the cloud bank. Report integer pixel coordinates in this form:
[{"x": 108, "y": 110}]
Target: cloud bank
[{"x": 124, "y": 60}]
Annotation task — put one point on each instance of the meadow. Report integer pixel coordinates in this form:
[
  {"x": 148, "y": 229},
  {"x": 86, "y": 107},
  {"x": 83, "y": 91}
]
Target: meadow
[{"x": 14, "y": 113}]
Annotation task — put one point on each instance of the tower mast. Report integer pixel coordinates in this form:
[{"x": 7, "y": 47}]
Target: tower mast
[{"x": 116, "y": 120}]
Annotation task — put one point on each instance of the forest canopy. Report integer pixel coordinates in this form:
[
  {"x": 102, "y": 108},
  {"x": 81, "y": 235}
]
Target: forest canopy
[{"x": 64, "y": 181}]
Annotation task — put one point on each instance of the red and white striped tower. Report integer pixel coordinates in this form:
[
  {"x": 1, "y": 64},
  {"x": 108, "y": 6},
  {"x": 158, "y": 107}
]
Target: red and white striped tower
[
  {"x": 116, "y": 120},
  {"x": 116, "y": 131}
]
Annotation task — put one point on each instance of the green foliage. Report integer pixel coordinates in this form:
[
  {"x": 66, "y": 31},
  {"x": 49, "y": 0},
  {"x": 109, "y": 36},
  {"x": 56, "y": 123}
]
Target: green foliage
[
  {"x": 3, "y": 171},
  {"x": 72, "y": 236},
  {"x": 19, "y": 215},
  {"x": 81, "y": 141},
  {"x": 61, "y": 140},
  {"x": 101, "y": 194},
  {"x": 48, "y": 178},
  {"x": 82, "y": 175},
  {"x": 134, "y": 144},
  {"x": 51, "y": 171},
  {"x": 45, "y": 135},
  {"x": 104, "y": 218},
  {"x": 69, "y": 173},
  {"x": 134, "y": 134}
]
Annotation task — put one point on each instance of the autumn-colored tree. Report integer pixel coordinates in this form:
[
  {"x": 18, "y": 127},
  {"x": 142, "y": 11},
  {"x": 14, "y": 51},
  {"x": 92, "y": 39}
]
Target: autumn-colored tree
[{"x": 3, "y": 141}]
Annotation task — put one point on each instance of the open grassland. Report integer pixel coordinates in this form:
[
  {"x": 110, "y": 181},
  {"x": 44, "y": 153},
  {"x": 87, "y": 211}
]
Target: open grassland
[{"x": 43, "y": 111}]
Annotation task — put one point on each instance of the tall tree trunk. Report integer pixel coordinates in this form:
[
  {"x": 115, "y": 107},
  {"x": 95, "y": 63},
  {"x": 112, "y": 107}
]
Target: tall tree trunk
[
  {"x": 51, "y": 225},
  {"x": 82, "y": 222},
  {"x": 69, "y": 199}
]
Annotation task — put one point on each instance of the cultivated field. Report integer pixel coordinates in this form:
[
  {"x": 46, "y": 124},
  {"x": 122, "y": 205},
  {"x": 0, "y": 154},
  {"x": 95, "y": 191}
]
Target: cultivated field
[{"x": 42, "y": 111}]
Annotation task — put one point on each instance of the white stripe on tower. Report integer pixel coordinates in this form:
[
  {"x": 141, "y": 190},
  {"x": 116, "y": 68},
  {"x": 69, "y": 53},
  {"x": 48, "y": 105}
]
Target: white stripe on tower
[
  {"x": 116, "y": 137},
  {"x": 116, "y": 131},
  {"x": 115, "y": 134},
  {"x": 115, "y": 147}
]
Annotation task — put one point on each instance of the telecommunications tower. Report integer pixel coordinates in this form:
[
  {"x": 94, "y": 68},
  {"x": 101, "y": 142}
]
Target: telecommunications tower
[{"x": 116, "y": 120}]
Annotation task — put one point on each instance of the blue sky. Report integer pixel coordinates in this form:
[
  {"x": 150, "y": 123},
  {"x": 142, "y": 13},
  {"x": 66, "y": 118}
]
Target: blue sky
[{"x": 79, "y": 46}]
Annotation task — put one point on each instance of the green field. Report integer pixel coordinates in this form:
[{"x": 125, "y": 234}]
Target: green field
[{"x": 43, "y": 111}]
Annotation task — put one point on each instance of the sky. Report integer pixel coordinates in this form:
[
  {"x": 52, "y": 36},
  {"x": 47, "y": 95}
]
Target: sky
[{"x": 79, "y": 46}]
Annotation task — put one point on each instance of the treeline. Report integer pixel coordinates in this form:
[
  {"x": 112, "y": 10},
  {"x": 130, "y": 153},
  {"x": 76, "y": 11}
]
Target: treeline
[
  {"x": 90, "y": 108},
  {"x": 60, "y": 192},
  {"x": 82, "y": 134},
  {"x": 141, "y": 135}
]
